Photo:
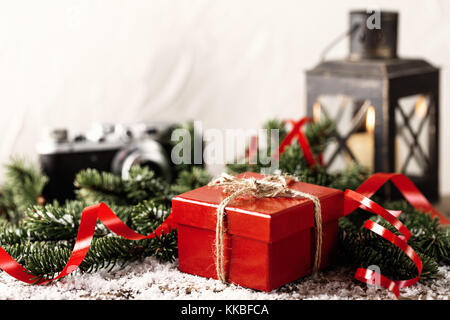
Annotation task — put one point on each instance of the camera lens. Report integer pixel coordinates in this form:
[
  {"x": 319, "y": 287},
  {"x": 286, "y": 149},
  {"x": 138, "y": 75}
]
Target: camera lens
[{"x": 144, "y": 153}]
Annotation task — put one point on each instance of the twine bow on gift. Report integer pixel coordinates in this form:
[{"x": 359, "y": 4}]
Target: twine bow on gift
[{"x": 269, "y": 186}]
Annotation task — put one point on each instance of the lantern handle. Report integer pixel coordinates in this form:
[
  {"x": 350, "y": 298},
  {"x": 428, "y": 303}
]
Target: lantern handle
[{"x": 338, "y": 39}]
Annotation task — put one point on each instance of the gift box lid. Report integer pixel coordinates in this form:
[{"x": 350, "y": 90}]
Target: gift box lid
[{"x": 265, "y": 219}]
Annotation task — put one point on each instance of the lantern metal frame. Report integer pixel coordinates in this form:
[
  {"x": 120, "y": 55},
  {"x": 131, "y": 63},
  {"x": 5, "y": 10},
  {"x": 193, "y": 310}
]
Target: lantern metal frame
[{"x": 384, "y": 82}]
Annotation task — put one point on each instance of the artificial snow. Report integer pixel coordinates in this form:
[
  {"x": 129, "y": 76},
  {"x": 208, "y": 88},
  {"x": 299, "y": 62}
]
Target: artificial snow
[{"x": 151, "y": 279}]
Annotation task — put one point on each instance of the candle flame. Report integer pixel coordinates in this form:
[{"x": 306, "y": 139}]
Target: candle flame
[
  {"x": 316, "y": 111},
  {"x": 370, "y": 119},
  {"x": 421, "y": 107}
]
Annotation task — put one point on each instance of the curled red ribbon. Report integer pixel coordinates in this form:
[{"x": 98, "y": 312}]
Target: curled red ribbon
[
  {"x": 360, "y": 199},
  {"x": 370, "y": 276}
]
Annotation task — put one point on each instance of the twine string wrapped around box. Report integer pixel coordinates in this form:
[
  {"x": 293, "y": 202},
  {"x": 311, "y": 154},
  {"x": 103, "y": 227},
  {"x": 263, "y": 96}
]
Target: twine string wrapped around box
[{"x": 269, "y": 186}]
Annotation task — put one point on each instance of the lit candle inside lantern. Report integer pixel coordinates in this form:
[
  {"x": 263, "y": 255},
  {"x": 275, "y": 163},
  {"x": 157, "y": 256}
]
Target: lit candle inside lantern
[
  {"x": 370, "y": 120},
  {"x": 362, "y": 143},
  {"x": 316, "y": 111},
  {"x": 421, "y": 107}
]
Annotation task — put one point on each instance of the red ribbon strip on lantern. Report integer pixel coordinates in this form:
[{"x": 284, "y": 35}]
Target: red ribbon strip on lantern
[{"x": 297, "y": 132}]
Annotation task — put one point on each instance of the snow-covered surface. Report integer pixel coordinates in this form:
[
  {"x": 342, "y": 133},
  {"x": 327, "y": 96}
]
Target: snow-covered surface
[{"x": 154, "y": 280}]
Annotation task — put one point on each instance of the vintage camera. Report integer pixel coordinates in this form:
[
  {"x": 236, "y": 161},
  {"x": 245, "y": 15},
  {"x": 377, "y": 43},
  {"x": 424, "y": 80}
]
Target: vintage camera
[{"x": 106, "y": 147}]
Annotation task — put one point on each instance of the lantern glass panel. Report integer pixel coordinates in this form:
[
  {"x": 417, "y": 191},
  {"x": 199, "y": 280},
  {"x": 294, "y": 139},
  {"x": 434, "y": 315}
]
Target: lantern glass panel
[
  {"x": 355, "y": 124},
  {"x": 412, "y": 138}
]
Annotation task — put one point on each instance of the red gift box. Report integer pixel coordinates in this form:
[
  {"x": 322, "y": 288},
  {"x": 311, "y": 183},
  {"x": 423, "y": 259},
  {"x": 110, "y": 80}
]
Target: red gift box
[{"x": 269, "y": 241}]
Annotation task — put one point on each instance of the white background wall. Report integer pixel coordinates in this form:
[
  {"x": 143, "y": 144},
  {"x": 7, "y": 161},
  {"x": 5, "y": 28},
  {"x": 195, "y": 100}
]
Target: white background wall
[{"x": 232, "y": 64}]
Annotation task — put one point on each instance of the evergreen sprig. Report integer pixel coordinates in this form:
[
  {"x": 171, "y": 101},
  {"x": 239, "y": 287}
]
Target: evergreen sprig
[
  {"x": 94, "y": 186},
  {"x": 23, "y": 187},
  {"x": 191, "y": 179},
  {"x": 142, "y": 184}
]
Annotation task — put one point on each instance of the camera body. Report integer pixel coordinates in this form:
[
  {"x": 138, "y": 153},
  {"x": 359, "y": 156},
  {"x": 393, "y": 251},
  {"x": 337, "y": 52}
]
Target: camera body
[{"x": 106, "y": 147}]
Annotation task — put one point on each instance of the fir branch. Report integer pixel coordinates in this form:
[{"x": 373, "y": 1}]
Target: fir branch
[
  {"x": 320, "y": 135},
  {"x": 13, "y": 234},
  {"x": 164, "y": 248},
  {"x": 276, "y": 124},
  {"x": 142, "y": 184},
  {"x": 23, "y": 188},
  {"x": 51, "y": 223},
  {"x": 293, "y": 161},
  {"x": 428, "y": 236},
  {"x": 95, "y": 186},
  {"x": 349, "y": 178},
  {"x": 8, "y": 208},
  {"x": 44, "y": 259},
  {"x": 191, "y": 179},
  {"x": 26, "y": 181},
  {"x": 107, "y": 187},
  {"x": 148, "y": 215},
  {"x": 365, "y": 248}
]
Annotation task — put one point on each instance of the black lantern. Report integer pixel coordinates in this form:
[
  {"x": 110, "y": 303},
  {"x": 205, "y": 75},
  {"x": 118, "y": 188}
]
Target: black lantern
[{"x": 386, "y": 108}]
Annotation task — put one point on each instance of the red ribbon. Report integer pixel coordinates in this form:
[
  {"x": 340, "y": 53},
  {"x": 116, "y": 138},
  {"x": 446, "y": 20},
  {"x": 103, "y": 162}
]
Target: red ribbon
[
  {"x": 405, "y": 186},
  {"x": 83, "y": 242},
  {"x": 360, "y": 199},
  {"x": 297, "y": 132},
  {"x": 370, "y": 276}
]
